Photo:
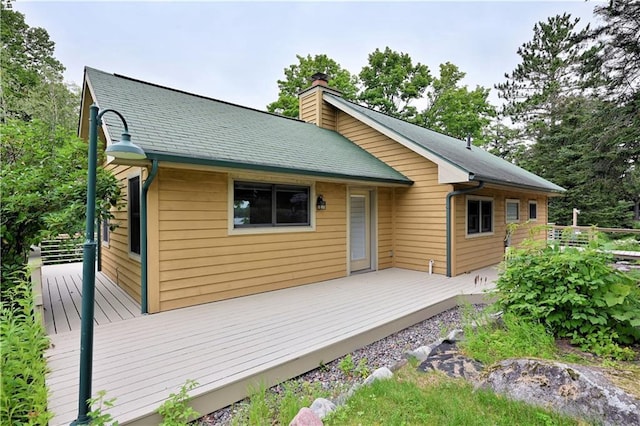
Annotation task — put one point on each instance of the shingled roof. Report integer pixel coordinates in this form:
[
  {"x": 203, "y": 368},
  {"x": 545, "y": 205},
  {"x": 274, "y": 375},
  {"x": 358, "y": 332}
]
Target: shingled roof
[
  {"x": 172, "y": 125},
  {"x": 471, "y": 164}
]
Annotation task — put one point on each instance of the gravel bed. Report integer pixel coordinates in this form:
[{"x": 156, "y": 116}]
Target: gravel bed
[{"x": 383, "y": 353}]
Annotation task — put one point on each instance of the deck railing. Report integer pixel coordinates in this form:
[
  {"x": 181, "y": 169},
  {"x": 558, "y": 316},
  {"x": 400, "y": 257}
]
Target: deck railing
[
  {"x": 580, "y": 236},
  {"x": 62, "y": 249}
]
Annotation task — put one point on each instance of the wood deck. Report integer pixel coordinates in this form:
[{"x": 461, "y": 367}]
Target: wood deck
[
  {"x": 62, "y": 295},
  {"x": 231, "y": 345}
]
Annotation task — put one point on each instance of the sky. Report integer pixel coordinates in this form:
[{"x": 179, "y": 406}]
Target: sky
[{"x": 236, "y": 51}]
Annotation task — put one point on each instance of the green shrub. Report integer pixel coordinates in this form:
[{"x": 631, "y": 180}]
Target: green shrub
[
  {"x": 175, "y": 411},
  {"x": 23, "y": 392},
  {"x": 575, "y": 293},
  {"x": 98, "y": 405}
]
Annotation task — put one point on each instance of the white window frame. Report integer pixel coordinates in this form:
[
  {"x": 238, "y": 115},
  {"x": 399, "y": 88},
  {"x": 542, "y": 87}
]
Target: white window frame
[
  {"x": 506, "y": 210},
  {"x": 466, "y": 216},
  {"x": 133, "y": 255},
  {"x": 232, "y": 230},
  {"x": 533, "y": 203}
]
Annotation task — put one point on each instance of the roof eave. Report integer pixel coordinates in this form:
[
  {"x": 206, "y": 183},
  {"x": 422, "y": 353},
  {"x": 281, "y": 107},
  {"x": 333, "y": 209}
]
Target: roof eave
[
  {"x": 552, "y": 192},
  {"x": 160, "y": 156}
]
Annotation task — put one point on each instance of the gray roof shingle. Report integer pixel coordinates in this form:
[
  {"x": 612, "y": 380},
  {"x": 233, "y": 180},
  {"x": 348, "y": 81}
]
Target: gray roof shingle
[
  {"x": 478, "y": 163},
  {"x": 170, "y": 124}
]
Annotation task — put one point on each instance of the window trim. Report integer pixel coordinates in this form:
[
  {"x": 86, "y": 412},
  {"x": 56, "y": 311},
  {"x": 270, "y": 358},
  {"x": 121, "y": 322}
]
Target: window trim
[
  {"x": 506, "y": 210},
  {"x": 466, "y": 216},
  {"x": 249, "y": 230},
  {"x": 106, "y": 237},
  {"x": 533, "y": 203},
  {"x": 133, "y": 255}
]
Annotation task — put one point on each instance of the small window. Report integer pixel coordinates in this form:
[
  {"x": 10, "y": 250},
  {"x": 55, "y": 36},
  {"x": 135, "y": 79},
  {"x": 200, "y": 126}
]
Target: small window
[
  {"x": 105, "y": 232},
  {"x": 270, "y": 205},
  {"x": 513, "y": 211},
  {"x": 533, "y": 210},
  {"x": 134, "y": 214},
  {"x": 479, "y": 216}
]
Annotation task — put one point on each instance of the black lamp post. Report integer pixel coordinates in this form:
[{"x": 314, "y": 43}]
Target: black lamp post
[{"x": 125, "y": 150}]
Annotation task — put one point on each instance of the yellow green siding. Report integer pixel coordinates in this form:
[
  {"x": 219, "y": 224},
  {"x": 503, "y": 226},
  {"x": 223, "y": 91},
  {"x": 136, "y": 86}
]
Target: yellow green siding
[
  {"x": 200, "y": 262},
  {"x": 478, "y": 251},
  {"x": 418, "y": 211},
  {"x": 323, "y": 116},
  {"x": 385, "y": 228}
]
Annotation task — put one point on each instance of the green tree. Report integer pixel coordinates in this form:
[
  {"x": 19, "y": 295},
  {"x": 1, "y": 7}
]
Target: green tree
[
  {"x": 26, "y": 59},
  {"x": 618, "y": 57},
  {"x": 43, "y": 186},
  {"x": 616, "y": 63},
  {"x": 456, "y": 111},
  {"x": 502, "y": 141},
  {"x": 391, "y": 82},
  {"x": 580, "y": 153},
  {"x": 298, "y": 78},
  {"x": 547, "y": 72}
]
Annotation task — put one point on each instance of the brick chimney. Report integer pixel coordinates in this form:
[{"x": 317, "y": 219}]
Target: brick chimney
[
  {"x": 313, "y": 108},
  {"x": 320, "y": 79}
]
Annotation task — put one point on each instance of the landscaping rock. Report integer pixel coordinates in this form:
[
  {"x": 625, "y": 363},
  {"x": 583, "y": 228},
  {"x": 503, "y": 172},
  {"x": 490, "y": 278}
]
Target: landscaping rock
[
  {"x": 306, "y": 417},
  {"x": 445, "y": 358},
  {"x": 422, "y": 352},
  {"x": 571, "y": 389},
  {"x": 381, "y": 373},
  {"x": 454, "y": 336},
  {"x": 322, "y": 407}
]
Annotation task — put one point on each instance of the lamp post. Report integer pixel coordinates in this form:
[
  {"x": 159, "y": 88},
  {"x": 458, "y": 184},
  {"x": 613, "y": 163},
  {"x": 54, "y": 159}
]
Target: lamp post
[{"x": 126, "y": 150}]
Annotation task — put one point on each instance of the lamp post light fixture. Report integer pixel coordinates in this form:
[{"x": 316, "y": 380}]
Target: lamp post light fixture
[{"x": 126, "y": 150}]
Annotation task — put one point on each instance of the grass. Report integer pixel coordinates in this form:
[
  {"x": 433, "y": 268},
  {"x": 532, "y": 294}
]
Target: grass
[
  {"x": 413, "y": 398},
  {"x": 509, "y": 338},
  {"x": 267, "y": 407}
]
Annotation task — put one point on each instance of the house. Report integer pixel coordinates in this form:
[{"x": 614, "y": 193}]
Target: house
[{"x": 233, "y": 201}]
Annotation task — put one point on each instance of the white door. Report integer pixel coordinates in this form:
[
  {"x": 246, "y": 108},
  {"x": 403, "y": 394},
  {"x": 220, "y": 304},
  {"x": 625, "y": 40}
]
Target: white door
[{"x": 360, "y": 231}]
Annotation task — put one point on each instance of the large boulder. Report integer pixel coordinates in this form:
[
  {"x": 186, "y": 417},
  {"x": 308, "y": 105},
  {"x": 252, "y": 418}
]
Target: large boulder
[
  {"x": 446, "y": 358},
  {"x": 575, "y": 390}
]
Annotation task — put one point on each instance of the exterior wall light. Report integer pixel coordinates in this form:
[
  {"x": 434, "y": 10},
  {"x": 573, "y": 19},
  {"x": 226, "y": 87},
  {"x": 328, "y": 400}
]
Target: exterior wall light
[{"x": 321, "y": 204}]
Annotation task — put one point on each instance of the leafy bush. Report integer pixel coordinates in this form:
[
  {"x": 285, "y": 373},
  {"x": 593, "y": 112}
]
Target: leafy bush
[
  {"x": 175, "y": 411},
  {"x": 43, "y": 189},
  {"x": 576, "y": 293},
  {"x": 97, "y": 415},
  {"x": 23, "y": 394}
]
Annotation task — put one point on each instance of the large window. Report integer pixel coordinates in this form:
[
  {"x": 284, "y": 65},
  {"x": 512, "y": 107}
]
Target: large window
[
  {"x": 512, "y": 211},
  {"x": 479, "y": 216},
  {"x": 533, "y": 210},
  {"x": 134, "y": 214},
  {"x": 268, "y": 205}
]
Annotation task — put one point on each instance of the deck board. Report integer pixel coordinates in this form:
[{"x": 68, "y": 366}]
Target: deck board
[
  {"x": 62, "y": 299},
  {"x": 227, "y": 346}
]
